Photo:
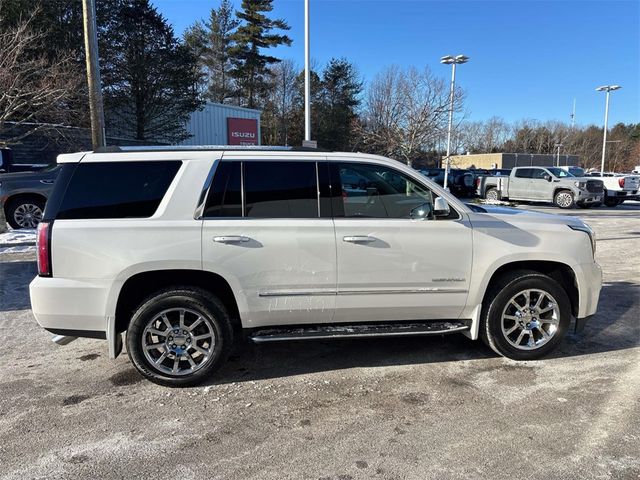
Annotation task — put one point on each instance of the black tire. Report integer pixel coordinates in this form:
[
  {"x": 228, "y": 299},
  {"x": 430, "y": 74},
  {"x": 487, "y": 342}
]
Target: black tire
[
  {"x": 491, "y": 194},
  {"x": 610, "y": 201},
  {"x": 585, "y": 205},
  {"x": 195, "y": 300},
  {"x": 564, "y": 199},
  {"x": 31, "y": 203},
  {"x": 500, "y": 295}
]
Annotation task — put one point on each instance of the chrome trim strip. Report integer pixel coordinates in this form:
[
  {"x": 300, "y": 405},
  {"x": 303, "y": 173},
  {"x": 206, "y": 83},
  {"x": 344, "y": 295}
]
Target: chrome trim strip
[
  {"x": 403, "y": 291},
  {"x": 356, "y": 335},
  {"x": 318, "y": 189},
  {"x": 298, "y": 293}
]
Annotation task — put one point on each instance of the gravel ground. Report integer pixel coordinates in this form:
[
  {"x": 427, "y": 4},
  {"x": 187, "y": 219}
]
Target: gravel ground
[{"x": 390, "y": 409}]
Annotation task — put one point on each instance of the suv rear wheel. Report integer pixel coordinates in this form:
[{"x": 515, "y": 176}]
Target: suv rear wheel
[
  {"x": 24, "y": 212},
  {"x": 491, "y": 194},
  {"x": 525, "y": 315},
  {"x": 178, "y": 337}
]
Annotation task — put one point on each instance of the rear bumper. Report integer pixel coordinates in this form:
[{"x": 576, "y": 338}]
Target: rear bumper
[{"x": 62, "y": 305}]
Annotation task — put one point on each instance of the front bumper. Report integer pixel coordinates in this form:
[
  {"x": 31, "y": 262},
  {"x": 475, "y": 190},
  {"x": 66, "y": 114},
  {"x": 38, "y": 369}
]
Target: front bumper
[
  {"x": 589, "y": 197},
  {"x": 589, "y": 280}
]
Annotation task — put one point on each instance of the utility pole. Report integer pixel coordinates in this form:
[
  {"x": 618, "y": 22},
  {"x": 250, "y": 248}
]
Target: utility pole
[
  {"x": 93, "y": 73},
  {"x": 573, "y": 115}
]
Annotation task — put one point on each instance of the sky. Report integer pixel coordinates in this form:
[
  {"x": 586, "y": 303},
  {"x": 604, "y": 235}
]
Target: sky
[{"x": 528, "y": 59}]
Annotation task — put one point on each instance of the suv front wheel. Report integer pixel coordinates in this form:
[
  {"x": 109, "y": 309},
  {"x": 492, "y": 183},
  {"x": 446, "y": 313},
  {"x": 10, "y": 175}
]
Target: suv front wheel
[
  {"x": 525, "y": 315},
  {"x": 179, "y": 336}
]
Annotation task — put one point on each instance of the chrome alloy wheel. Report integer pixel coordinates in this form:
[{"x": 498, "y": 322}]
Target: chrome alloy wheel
[
  {"x": 530, "y": 319},
  {"x": 179, "y": 341},
  {"x": 564, "y": 199},
  {"x": 27, "y": 215}
]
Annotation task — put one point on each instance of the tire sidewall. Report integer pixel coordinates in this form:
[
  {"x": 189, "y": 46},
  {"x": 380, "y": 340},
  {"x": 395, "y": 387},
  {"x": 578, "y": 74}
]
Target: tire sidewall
[
  {"x": 192, "y": 300},
  {"x": 493, "y": 316}
]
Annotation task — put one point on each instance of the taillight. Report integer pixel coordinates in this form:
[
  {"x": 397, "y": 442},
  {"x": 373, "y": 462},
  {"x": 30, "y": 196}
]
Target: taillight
[
  {"x": 621, "y": 182},
  {"x": 478, "y": 182},
  {"x": 43, "y": 245}
]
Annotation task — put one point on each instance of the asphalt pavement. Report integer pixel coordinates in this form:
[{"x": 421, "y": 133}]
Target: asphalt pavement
[{"x": 403, "y": 408}]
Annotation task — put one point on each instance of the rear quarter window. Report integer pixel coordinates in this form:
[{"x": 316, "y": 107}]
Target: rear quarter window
[{"x": 116, "y": 189}]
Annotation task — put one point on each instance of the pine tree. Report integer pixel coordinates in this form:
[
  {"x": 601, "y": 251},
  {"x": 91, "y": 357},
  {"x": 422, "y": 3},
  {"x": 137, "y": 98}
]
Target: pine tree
[
  {"x": 148, "y": 75},
  {"x": 339, "y": 99},
  {"x": 250, "y": 66},
  {"x": 211, "y": 42}
]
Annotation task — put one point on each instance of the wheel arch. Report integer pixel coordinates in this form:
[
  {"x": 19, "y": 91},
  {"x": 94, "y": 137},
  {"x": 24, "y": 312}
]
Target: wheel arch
[
  {"x": 560, "y": 272},
  {"x": 11, "y": 199},
  {"x": 139, "y": 286}
]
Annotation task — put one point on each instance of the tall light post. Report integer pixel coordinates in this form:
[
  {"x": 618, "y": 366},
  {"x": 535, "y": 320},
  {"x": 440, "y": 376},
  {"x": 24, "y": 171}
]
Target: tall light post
[
  {"x": 307, "y": 76},
  {"x": 453, "y": 61},
  {"x": 608, "y": 89}
]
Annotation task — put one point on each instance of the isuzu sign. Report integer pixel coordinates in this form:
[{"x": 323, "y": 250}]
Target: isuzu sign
[{"x": 242, "y": 131}]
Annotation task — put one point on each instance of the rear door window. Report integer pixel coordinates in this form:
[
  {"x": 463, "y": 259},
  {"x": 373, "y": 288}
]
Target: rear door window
[
  {"x": 280, "y": 189},
  {"x": 225, "y": 196},
  {"x": 524, "y": 173},
  {"x": 116, "y": 189}
]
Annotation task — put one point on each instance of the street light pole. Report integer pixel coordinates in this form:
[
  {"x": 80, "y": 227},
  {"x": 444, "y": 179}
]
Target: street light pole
[
  {"x": 608, "y": 89},
  {"x": 307, "y": 76},
  {"x": 453, "y": 61}
]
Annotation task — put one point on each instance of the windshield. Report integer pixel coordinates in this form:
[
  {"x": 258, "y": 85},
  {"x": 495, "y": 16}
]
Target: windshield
[{"x": 560, "y": 173}]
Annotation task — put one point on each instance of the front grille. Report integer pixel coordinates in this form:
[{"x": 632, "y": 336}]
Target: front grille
[{"x": 595, "y": 186}]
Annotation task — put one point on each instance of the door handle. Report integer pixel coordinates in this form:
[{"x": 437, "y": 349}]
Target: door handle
[
  {"x": 47, "y": 182},
  {"x": 231, "y": 239},
  {"x": 359, "y": 239}
]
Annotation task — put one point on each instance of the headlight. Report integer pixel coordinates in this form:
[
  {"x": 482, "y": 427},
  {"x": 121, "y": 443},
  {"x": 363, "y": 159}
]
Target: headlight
[
  {"x": 589, "y": 231},
  {"x": 580, "y": 185}
]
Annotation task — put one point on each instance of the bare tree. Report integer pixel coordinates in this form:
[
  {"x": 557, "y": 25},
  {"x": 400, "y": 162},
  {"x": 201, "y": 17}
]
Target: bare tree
[
  {"x": 405, "y": 112},
  {"x": 281, "y": 100},
  {"x": 36, "y": 92}
]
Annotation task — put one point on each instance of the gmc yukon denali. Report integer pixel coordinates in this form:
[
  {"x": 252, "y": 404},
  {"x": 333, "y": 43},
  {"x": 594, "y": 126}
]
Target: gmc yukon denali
[{"x": 191, "y": 250}]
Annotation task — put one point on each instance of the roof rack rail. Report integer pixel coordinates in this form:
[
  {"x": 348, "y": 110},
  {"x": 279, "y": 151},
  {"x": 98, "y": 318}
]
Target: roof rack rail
[{"x": 187, "y": 148}]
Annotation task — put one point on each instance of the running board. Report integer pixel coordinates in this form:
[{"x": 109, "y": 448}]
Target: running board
[{"x": 357, "y": 331}]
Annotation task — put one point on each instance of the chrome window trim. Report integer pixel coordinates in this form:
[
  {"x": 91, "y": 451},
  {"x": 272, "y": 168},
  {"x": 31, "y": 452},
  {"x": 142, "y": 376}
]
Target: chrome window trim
[{"x": 204, "y": 194}]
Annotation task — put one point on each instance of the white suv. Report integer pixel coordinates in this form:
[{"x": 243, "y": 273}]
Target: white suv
[{"x": 190, "y": 250}]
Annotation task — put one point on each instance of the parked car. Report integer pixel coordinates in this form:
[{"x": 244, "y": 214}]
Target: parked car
[
  {"x": 543, "y": 184},
  {"x": 618, "y": 187},
  {"x": 460, "y": 181},
  {"x": 23, "y": 195},
  {"x": 190, "y": 250},
  {"x": 7, "y": 165}
]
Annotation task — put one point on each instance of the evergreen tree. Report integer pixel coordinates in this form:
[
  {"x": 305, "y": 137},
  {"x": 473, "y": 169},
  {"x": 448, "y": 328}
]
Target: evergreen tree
[
  {"x": 148, "y": 75},
  {"x": 211, "y": 42},
  {"x": 338, "y": 101},
  {"x": 250, "y": 66}
]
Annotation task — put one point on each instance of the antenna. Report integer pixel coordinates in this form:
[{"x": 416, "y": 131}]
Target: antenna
[{"x": 573, "y": 114}]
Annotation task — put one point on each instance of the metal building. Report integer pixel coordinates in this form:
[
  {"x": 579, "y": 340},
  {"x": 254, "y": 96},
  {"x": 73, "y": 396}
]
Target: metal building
[
  {"x": 510, "y": 160},
  {"x": 219, "y": 124}
]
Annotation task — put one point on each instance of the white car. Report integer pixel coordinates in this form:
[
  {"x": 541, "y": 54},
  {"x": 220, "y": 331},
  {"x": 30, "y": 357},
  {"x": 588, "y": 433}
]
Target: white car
[
  {"x": 618, "y": 187},
  {"x": 189, "y": 250}
]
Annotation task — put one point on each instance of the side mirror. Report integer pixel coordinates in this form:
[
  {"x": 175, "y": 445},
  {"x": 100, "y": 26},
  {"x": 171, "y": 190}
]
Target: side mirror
[
  {"x": 441, "y": 207},
  {"x": 421, "y": 212},
  {"x": 547, "y": 177}
]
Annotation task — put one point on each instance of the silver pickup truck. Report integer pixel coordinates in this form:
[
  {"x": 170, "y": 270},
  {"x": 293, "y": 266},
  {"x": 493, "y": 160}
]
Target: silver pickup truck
[{"x": 543, "y": 184}]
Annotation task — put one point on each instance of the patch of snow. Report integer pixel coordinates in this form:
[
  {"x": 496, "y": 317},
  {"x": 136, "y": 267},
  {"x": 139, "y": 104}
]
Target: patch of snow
[{"x": 18, "y": 237}]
